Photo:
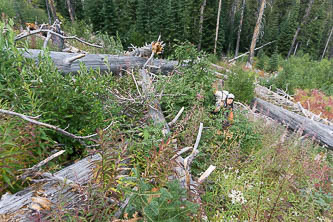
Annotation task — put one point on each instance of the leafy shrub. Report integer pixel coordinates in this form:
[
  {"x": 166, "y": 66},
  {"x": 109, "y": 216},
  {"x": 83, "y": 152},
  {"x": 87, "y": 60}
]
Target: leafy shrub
[
  {"x": 300, "y": 72},
  {"x": 193, "y": 85},
  {"x": 22, "y": 11},
  {"x": 241, "y": 84},
  {"x": 75, "y": 102},
  {"x": 21, "y": 144},
  {"x": 184, "y": 51}
]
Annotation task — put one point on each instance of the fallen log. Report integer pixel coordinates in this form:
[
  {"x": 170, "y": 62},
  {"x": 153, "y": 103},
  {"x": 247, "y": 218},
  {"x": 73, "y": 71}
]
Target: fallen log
[
  {"x": 321, "y": 132},
  {"x": 70, "y": 62},
  {"x": 22, "y": 205},
  {"x": 285, "y": 101}
]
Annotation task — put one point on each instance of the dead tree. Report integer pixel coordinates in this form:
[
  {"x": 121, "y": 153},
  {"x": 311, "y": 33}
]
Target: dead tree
[
  {"x": 202, "y": 9},
  {"x": 304, "y": 20},
  {"x": 232, "y": 21},
  {"x": 63, "y": 187},
  {"x": 310, "y": 128},
  {"x": 217, "y": 25},
  {"x": 255, "y": 35},
  {"x": 70, "y": 10},
  {"x": 327, "y": 42},
  {"x": 51, "y": 10},
  {"x": 70, "y": 62},
  {"x": 240, "y": 28}
]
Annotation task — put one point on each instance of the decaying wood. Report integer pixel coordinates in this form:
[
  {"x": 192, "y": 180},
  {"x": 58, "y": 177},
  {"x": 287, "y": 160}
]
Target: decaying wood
[
  {"x": 146, "y": 50},
  {"x": 244, "y": 54},
  {"x": 182, "y": 169},
  {"x": 284, "y": 100},
  {"x": 17, "y": 207},
  {"x": 176, "y": 117},
  {"x": 25, "y": 34},
  {"x": 321, "y": 132},
  {"x": 36, "y": 167},
  {"x": 204, "y": 176},
  {"x": 280, "y": 98},
  {"x": 102, "y": 62},
  {"x": 148, "y": 90},
  {"x": 255, "y": 35}
]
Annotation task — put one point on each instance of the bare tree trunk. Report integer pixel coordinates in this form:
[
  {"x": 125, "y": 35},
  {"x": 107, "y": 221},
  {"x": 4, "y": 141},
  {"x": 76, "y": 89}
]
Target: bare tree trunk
[
  {"x": 296, "y": 48},
  {"x": 53, "y": 10},
  {"x": 307, "y": 13},
  {"x": 217, "y": 25},
  {"x": 240, "y": 28},
  {"x": 202, "y": 9},
  {"x": 70, "y": 10},
  {"x": 48, "y": 11},
  {"x": 255, "y": 35},
  {"x": 232, "y": 21},
  {"x": 328, "y": 40}
]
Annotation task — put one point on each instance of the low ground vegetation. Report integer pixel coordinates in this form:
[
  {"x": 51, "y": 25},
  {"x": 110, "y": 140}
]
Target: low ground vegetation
[{"x": 264, "y": 173}]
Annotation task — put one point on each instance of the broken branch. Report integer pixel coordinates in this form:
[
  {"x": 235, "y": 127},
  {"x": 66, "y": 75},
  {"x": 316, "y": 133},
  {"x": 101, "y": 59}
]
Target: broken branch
[
  {"x": 20, "y": 36},
  {"x": 40, "y": 164},
  {"x": 22, "y": 116},
  {"x": 176, "y": 117}
]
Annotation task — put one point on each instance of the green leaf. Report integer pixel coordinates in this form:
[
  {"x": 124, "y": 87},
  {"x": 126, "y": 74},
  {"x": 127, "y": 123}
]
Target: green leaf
[{"x": 7, "y": 180}]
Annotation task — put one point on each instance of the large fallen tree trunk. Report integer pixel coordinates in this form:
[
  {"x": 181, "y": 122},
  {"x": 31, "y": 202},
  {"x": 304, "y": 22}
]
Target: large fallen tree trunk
[
  {"x": 321, "y": 132},
  {"x": 63, "y": 188},
  {"x": 70, "y": 62}
]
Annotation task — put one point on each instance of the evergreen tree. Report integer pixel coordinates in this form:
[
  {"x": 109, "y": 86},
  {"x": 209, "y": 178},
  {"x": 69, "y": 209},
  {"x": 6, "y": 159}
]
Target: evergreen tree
[
  {"x": 109, "y": 17},
  {"x": 141, "y": 17},
  {"x": 274, "y": 60},
  {"x": 262, "y": 59},
  {"x": 93, "y": 14},
  {"x": 288, "y": 27},
  {"x": 313, "y": 32}
]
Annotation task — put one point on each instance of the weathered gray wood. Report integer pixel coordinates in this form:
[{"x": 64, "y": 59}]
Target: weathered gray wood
[
  {"x": 154, "y": 110},
  {"x": 321, "y": 132},
  {"x": 16, "y": 207},
  {"x": 104, "y": 62}
]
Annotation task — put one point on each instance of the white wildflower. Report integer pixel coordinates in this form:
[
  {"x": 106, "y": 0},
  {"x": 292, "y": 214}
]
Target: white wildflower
[
  {"x": 321, "y": 219},
  {"x": 237, "y": 171},
  {"x": 237, "y": 197}
]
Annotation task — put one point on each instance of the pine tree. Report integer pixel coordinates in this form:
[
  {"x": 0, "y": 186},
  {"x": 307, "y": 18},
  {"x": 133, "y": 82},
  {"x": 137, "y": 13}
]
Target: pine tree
[
  {"x": 313, "y": 31},
  {"x": 262, "y": 60},
  {"x": 109, "y": 17},
  {"x": 141, "y": 17},
  {"x": 288, "y": 27},
  {"x": 272, "y": 30},
  {"x": 274, "y": 60},
  {"x": 93, "y": 14}
]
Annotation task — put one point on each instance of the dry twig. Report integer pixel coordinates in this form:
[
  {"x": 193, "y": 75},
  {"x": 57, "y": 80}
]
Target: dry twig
[{"x": 22, "y": 116}]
